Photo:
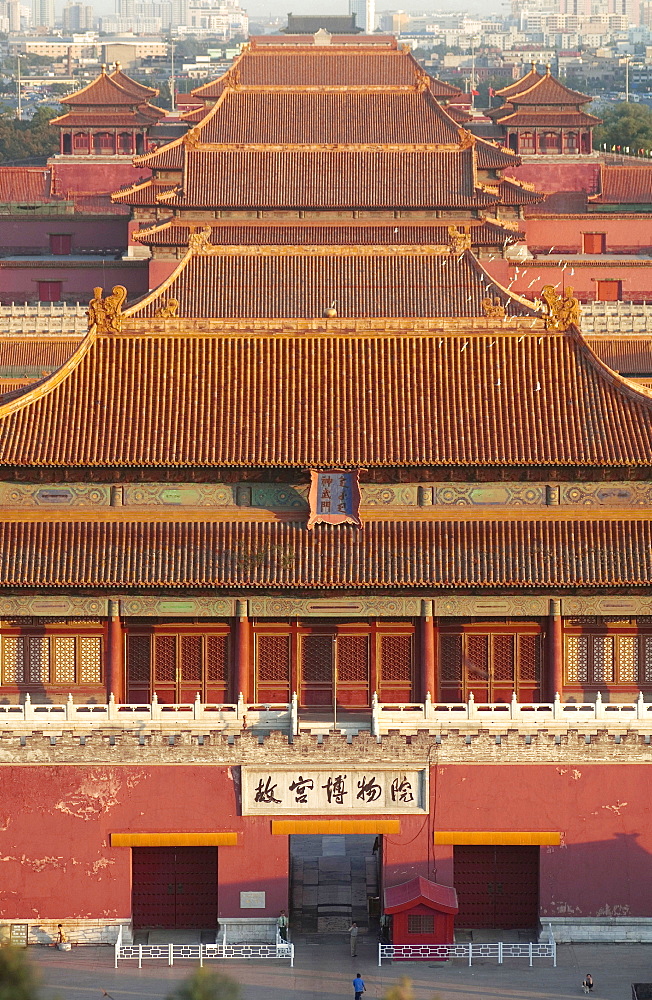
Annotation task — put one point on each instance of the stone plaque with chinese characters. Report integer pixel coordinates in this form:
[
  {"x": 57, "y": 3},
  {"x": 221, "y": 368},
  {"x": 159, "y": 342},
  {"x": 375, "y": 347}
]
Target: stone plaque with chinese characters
[
  {"x": 252, "y": 900},
  {"x": 334, "y": 497},
  {"x": 354, "y": 791}
]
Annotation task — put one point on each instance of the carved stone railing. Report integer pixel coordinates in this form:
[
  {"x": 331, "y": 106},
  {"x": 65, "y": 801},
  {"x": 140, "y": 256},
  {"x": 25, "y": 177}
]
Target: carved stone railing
[
  {"x": 472, "y": 715},
  {"x": 43, "y": 318},
  {"x": 616, "y": 318},
  {"x": 436, "y": 718},
  {"x": 238, "y": 717}
]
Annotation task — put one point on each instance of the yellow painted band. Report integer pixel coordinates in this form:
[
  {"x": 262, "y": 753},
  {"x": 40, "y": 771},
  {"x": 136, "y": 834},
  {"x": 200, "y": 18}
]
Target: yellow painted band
[
  {"x": 174, "y": 839},
  {"x": 284, "y": 827},
  {"x": 461, "y": 837}
]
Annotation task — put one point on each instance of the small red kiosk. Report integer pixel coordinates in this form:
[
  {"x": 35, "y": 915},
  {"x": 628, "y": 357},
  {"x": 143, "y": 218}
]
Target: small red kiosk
[{"x": 423, "y": 912}]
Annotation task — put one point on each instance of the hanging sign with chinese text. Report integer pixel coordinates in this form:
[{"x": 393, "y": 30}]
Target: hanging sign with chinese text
[
  {"x": 325, "y": 791},
  {"x": 334, "y": 497}
]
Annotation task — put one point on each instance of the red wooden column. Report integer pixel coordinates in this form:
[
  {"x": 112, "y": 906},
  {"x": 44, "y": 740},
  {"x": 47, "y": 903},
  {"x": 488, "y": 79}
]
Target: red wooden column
[
  {"x": 556, "y": 639},
  {"x": 242, "y": 651},
  {"x": 115, "y": 654},
  {"x": 428, "y": 665}
]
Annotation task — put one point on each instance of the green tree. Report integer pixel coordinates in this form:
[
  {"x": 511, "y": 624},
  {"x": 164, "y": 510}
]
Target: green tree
[
  {"x": 17, "y": 978},
  {"x": 28, "y": 139},
  {"x": 204, "y": 984},
  {"x": 625, "y": 125}
]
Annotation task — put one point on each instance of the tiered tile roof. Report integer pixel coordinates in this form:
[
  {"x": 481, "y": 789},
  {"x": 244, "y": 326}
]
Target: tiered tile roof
[
  {"x": 175, "y": 233},
  {"x": 540, "y": 101},
  {"x": 315, "y": 177},
  {"x": 362, "y": 64},
  {"x": 241, "y": 281},
  {"x": 525, "y": 82},
  {"x": 351, "y": 115},
  {"x": 442, "y": 553},
  {"x": 113, "y": 101},
  {"x": 327, "y": 394},
  {"x": 624, "y": 185}
]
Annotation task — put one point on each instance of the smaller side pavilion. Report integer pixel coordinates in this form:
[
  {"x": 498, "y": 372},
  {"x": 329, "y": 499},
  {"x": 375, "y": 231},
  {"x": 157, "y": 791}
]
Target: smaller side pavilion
[
  {"x": 423, "y": 912},
  {"x": 110, "y": 116},
  {"x": 542, "y": 116}
]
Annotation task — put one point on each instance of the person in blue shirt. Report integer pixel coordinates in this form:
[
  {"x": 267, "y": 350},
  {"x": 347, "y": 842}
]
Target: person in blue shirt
[{"x": 359, "y": 986}]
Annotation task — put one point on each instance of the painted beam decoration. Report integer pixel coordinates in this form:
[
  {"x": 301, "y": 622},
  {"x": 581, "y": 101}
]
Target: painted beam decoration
[
  {"x": 325, "y": 791},
  {"x": 334, "y": 497}
]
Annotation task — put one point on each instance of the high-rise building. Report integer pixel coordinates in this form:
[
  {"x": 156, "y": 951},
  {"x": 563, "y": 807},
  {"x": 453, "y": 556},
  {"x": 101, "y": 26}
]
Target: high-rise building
[
  {"x": 365, "y": 14},
  {"x": 77, "y": 17},
  {"x": 43, "y": 13}
]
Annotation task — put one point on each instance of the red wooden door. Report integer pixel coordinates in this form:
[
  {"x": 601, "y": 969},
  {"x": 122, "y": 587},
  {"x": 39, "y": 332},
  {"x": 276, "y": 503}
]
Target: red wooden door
[
  {"x": 490, "y": 662},
  {"x": 609, "y": 290},
  {"x": 335, "y": 659},
  {"x": 497, "y": 887},
  {"x": 174, "y": 887},
  {"x": 178, "y": 665},
  {"x": 317, "y": 670}
]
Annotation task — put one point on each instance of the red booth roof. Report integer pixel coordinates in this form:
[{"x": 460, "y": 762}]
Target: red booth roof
[{"x": 421, "y": 890}]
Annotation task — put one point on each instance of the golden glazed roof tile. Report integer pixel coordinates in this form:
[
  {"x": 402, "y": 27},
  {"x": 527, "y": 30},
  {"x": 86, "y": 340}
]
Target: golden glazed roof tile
[
  {"x": 363, "y": 178},
  {"x": 340, "y": 398},
  {"x": 175, "y": 233},
  {"x": 352, "y": 65},
  {"x": 301, "y": 281},
  {"x": 439, "y": 554},
  {"x": 354, "y": 116},
  {"x": 624, "y": 185}
]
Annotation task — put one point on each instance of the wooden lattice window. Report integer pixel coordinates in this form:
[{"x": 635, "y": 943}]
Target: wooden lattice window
[
  {"x": 353, "y": 658},
  {"x": 491, "y": 665},
  {"x": 178, "y": 666},
  {"x": 529, "y": 658},
  {"x": 316, "y": 658},
  {"x": 138, "y": 658},
  {"x": 396, "y": 658},
  {"x": 217, "y": 658},
  {"x": 608, "y": 659},
  {"x": 65, "y": 660},
  {"x": 451, "y": 658},
  {"x": 273, "y": 658},
  {"x": 165, "y": 658},
  {"x": 191, "y": 657},
  {"x": 420, "y": 923}
]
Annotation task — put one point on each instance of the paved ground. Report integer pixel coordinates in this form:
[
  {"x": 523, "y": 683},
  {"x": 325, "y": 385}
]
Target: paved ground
[{"x": 325, "y": 970}]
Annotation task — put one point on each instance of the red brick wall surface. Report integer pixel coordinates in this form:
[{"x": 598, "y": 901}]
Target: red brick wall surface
[{"x": 56, "y": 821}]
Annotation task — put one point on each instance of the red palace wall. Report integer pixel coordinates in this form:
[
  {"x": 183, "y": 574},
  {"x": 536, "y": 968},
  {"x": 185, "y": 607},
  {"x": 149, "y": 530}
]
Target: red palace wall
[
  {"x": 567, "y": 182},
  {"x": 19, "y": 279},
  {"x": 623, "y": 234},
  {"x": 93, "y": 174},
  {"x": 56, "y": 821},
  {"x": 159, "y": 270},
  {"x": 88, "y": 233},
  {"x": 529, "y": 277}
]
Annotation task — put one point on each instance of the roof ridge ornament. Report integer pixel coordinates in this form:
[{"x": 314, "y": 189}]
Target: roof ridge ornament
[
  {"x": 459, "y": 240},
  {"x": 199, "y": 241},
  {"x": 192, "y": 138},
  {"x": 560, "y": 312},
  {"x": 168, "y": 310},
  {"x": 105, "y": 313},
  {"x": 493, "y": 308}
]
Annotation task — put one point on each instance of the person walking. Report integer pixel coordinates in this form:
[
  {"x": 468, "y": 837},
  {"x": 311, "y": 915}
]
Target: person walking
[
  {"x": 588, "y": 983},
  {"x": 359, "y": 986},
  {"x": 353, "y": 932}
]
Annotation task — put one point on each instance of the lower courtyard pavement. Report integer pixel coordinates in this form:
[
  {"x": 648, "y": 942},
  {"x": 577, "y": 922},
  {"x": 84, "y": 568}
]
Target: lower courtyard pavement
[{"x": 324, "y": 969}]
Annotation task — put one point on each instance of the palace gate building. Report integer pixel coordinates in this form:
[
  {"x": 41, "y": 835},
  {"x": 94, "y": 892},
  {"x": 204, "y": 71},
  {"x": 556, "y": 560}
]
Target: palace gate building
[{"x": 329, "y": 535}]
